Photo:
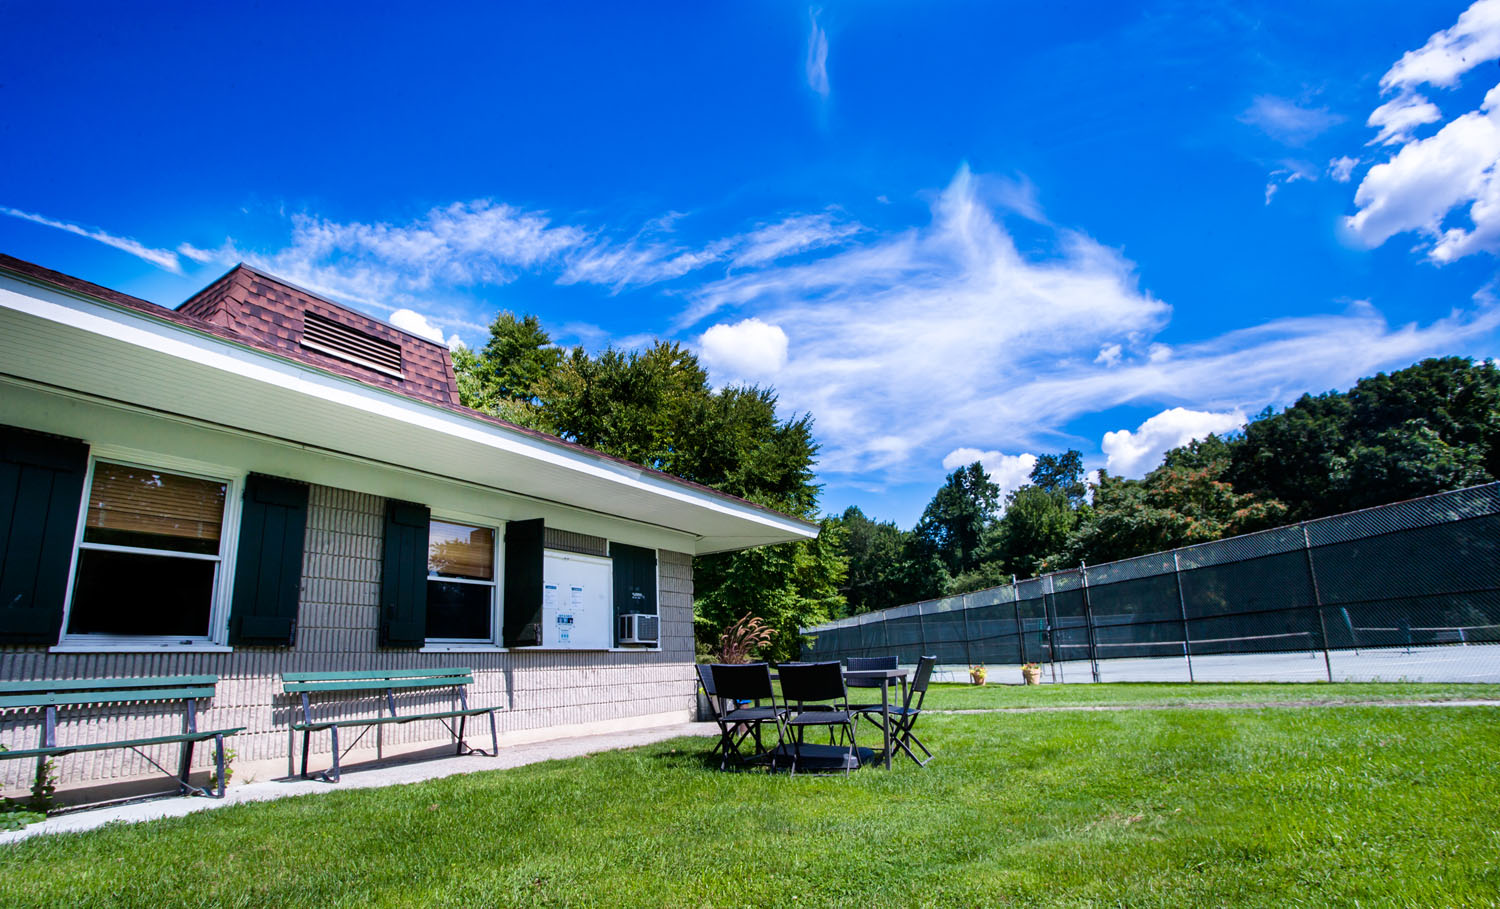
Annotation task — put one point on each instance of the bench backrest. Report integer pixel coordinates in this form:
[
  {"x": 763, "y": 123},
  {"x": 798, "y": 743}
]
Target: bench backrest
[
  {"x": 63, "y": 692},
  {"x": 314, "y": 682}
]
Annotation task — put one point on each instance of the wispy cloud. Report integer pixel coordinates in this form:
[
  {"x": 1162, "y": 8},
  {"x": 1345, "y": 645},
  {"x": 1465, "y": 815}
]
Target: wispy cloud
[
  {"x": 909, "y": 345},
  {"x": 817, "y": 56},
  {"x": 1287, "y": 121},
  {"x": 161, "y": 258},
  {"x": 793, "y": 235},
  {"x": 1430, "y": 183}
]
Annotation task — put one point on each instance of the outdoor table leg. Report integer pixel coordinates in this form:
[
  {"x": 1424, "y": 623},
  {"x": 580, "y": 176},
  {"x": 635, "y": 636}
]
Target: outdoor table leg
[{"x": 885, "y": 716}]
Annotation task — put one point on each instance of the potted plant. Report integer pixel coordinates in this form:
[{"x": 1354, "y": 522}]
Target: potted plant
[
  {"x": 1031, "y": 673},
  {"x": 977, "y": 674}
]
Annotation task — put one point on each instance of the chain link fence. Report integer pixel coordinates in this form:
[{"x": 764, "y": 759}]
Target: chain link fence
[{"x": 1404, "y": 591}]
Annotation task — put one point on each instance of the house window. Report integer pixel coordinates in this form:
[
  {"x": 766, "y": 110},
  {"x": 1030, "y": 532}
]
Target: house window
[
  {"x": 150, "y": 555},
  {"x": 460, "y": 583}
]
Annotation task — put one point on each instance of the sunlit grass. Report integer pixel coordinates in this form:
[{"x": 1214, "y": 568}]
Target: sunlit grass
[{"x": 1366, "y": 805}]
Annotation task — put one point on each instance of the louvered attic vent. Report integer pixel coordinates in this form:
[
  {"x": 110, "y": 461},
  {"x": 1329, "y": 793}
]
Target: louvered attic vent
[{"x": 327, "y": 336}]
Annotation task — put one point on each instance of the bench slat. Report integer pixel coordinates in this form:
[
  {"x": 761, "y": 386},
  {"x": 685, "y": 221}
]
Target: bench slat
[
  {"x": 129, "y": 743},
  {"x": 315, "y": 687},
  {"x": 104, "y": 697},
  {"x": 160, "y": 681},
  {"x": 377, "y": 674},
  {"x": 380, "y": 721}
]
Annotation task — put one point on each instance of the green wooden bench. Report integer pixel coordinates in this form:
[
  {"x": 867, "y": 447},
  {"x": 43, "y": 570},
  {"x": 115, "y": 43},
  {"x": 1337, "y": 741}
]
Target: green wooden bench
[
  {"x": 307, "y": 684},
  {"x": 48, "y": 695}
]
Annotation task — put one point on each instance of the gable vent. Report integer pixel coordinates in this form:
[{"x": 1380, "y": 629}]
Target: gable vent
[{"x": 327, "y": 336}]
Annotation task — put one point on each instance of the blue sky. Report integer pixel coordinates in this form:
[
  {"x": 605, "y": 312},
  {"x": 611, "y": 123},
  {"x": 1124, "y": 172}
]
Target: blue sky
[{"x": 948, "y": 230}]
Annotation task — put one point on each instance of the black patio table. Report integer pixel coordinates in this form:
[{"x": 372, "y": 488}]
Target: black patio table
[{"x": 884, "y": 677}]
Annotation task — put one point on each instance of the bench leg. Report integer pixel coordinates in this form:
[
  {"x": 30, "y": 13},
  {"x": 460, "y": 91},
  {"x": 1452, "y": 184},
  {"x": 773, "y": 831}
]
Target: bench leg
[
  {"x": 185, "y": 767},
  {"x": 219, "y": 763},
  {"x": 306, "y": 735},
  {"x": 459, "y": 748},
  {"x": 494, "y": 737},
  {"x": 333, "y": 776}
]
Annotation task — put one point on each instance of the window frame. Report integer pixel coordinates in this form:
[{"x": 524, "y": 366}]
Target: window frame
[
  {"x": 498, "y": 530},
  {"x": 217, "y": 636}
]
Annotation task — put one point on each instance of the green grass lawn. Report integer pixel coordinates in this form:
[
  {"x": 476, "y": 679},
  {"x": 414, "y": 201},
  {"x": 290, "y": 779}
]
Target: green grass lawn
[
  {"x": 1339, "y": 806},
  {"x": 968, "y": 697}
]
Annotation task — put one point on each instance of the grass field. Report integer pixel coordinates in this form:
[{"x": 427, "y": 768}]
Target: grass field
[
  {"x": 969, "y": 697},
  {"x": 1333, "y": 806}
]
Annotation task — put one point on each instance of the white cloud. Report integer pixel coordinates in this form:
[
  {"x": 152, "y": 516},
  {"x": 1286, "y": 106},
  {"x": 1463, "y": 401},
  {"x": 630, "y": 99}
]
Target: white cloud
[
  {"x": 1448, "y": 54},
  {"x": 1133, "y": 454},
  {"x": 161, "y": 258},
  {"x": 1109, "y": 355},
  {"x": 1431, "y": 183},
  {"x": 747, "y": 351},
  {"x": 201, "y": 256},
  {"x": 1289, "y": 173},
  {"x": 1342, "y": 168},
  {"x": 417, "y": 324},
  {"x": 1009, "y": 472},
  {"x": 1397, "y": 118},
  {"x": 817, "y": 56},
  {"x": 1286, "y": 121},
  {"x": 1429, "y": 178}
]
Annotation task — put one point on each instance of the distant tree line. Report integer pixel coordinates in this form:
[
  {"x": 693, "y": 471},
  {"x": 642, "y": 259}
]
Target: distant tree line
[
  {"x": 1431, "y": 427},
  {"x": 1428, "y": 428}
]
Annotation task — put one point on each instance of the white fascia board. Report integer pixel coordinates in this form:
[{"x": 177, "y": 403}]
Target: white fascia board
[{"x": 128, "y": 326}]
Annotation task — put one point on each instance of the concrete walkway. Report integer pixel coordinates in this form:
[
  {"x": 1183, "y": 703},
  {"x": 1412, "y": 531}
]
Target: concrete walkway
[{"x": 369, "y": 776}]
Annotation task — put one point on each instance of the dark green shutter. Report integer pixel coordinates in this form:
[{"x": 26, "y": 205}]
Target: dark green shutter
[
  {"x": 634, "y": 581},
  {"x": 523, "y": 583},
  {"x": 403, "y": 576},
  {"x": 268, "y": 569},
  {"x": 41, "y": 488}
]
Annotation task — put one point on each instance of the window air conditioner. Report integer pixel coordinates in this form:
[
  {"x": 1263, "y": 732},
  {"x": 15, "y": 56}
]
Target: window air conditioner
[{"x": 639, "y": 628}]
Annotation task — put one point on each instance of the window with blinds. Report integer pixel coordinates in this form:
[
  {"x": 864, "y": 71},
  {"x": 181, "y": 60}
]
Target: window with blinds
[
  {"x": 460, "y": 583},
  {"x": 149, "y": 558}
]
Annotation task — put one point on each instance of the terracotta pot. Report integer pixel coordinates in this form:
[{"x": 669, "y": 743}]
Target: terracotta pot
[
  {"x": 1032, "y": 676},
  {"x": 977, "y": 677}
]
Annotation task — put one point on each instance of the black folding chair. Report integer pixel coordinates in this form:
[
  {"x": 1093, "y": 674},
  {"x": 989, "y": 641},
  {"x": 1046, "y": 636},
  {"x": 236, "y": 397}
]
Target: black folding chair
[
  {"x": 818, "y": 690},
  {"x": 715, "y": 703},
  {"x": 741, "y": 688},
  {"x": 858, "y": 663},
  {"x": 903, "y": 718}
]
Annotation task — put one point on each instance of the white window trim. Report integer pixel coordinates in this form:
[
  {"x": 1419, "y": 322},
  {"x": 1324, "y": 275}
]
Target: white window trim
[
  {"x": 216, "y": 640},
  {"x": 492, "y": 643}
]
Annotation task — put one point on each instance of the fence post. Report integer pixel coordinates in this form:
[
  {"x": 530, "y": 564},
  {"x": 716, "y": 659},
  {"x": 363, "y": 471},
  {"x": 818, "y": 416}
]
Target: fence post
[
  {"x": 968, "y": 654},
  {"x": 921, "y": 631},
  {"x": 1015, "y": 600},
  {"x": 1187, "y": 641},
  {"x": 1312, "y": 575},
  {"x": 1088, "y": 619},
  {"x": 1049, "y": 616}
]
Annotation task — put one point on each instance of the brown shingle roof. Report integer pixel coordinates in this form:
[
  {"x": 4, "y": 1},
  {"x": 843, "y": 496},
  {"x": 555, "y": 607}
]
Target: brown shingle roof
[{"x": 267, "y": 312}]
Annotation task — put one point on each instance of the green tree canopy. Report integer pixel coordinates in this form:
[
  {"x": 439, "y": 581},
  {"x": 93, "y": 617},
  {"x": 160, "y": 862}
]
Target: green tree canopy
[{"x": 656, "y": 407}]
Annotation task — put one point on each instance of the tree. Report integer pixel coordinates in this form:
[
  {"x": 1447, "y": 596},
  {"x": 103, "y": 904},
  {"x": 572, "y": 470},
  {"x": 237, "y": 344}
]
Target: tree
[
  {"x": 954, "y": 521},
  {"x": 1182, "y": 502},
  {"x": 656, "y": 407},
  {"x": 1062, "y": 475},
  {"x": 1430, "y": 427},
  {"x": 877, "y": 577},
  {"x": 1034, "y": 530},
  {"x": 518, "y": 357}
]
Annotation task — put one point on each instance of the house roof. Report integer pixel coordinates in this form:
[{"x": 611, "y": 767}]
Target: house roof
[{"x": 247, "y": 309}]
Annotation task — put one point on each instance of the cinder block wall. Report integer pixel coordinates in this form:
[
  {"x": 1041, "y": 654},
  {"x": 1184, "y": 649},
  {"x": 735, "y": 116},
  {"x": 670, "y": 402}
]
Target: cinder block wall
[{"x": 338, "y": 621}]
